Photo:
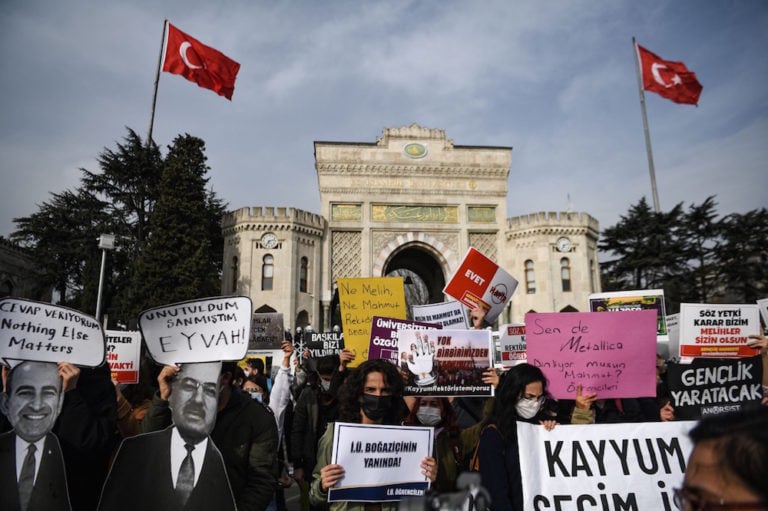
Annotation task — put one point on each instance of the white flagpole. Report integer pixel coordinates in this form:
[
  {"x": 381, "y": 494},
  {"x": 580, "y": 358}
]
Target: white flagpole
[
  {"x": 656, "y": 206},
  {"x": 157, "y": 82}
]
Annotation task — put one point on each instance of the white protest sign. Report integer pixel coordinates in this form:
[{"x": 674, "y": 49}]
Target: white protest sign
[
  {"x": 603, "y": 466},
  {"x": 198, "y": 331},
  {"x": 763, "y": 306},
  {"x": 512, "y": 345},
  {"x": 479, "y": 281},
  {"x": 673, "y": 330},
  {"x": 48, "y": 333},
  {"x": 450, "y": 314},
  {"x": 717, "y": 330},
  {"x": 381, "y": 463},
  {"x": 123, "y": 355}
]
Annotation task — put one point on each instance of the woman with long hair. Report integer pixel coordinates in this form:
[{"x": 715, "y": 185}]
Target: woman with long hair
[
  {"x": 371, "y": 394},
  {"x": 438, "y": 413},
  {"x": 520, "y": 396}
]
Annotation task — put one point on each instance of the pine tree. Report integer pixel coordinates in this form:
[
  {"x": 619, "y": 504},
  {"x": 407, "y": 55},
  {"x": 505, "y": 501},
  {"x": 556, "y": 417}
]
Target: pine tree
[{"x": 182, "y": 256}]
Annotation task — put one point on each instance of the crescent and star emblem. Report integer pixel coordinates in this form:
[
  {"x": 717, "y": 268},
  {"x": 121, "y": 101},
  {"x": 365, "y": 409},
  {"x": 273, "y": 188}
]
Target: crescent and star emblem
[
  {"x": 657, "y": 76},
  {"x": 186, "y": 45}
]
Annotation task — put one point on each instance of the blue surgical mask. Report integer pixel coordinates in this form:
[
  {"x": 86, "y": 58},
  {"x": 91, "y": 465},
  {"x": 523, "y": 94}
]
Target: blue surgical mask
[
  {"x": 258, "y": 396},
  {"x": 325, "y": 384}
]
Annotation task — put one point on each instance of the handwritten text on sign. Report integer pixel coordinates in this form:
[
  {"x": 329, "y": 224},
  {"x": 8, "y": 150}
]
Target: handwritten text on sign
[
  {"x": 613, "y": 355},
  {"x": 198, "y": 331},
  {"x": 48, "y": 333},
  {"x": 360, "y": 299}
]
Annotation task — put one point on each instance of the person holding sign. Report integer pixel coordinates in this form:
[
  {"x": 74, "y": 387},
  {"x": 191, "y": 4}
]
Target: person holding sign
[
  {"x": 520, "y": 397},
  {"x": 728, "y": 467},
  {"x": 371, "y": 394},
  {"x": 178, "y": 467},
  {"x": 32, "y": 475}
]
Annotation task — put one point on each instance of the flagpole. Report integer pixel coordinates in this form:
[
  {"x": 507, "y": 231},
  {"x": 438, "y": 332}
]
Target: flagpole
[
  {"x": 648, "y": 149},
  {"x": 157, "y": 82}
]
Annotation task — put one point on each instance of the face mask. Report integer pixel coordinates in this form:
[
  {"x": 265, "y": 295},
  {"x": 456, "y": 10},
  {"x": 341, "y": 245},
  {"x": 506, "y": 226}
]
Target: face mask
[
  {"x": 325, "y": 384},
  {"x": 258, "y": 396},
  {"x": 376, "y": 407},
  {"x": 429, "y": 415},
  {"x": 527, "y": 408}
]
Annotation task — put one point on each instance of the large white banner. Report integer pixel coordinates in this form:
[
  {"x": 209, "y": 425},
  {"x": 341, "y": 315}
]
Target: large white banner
[{"x": 603, "y": 466}]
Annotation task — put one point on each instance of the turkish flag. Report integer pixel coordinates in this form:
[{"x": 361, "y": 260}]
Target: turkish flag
[
  {"x": 668, "y": 79},
  {"x": 206, "y": 66}
]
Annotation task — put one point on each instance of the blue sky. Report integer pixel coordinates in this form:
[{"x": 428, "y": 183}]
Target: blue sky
[{"x": 554, "y": 80}]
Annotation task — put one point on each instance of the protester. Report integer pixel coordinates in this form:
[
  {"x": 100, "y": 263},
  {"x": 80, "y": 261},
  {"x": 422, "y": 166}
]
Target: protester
[
  {"x": 177, "y": 468},
  {"x": 437, "y": 412},
  {"x": 245, "y": 432},
  {"x": 32, "y": 475},
  {"x": 133, "y": 400},
  {"x": 316, "y": 407},
  {"x": 87, "y": 431},
  {"x": 728, "y": 467},
  {"x": 371, "y": 394},
  {"x": 520, "y": 396}
]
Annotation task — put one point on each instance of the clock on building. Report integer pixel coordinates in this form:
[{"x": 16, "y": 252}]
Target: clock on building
[
  {"x": 269, "y": 240},
  {"x": 563, "y": 244}
]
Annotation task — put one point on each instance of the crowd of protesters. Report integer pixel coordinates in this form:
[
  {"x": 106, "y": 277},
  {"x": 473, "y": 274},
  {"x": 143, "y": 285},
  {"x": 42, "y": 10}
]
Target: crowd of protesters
[{"x": 273, "y": 427}]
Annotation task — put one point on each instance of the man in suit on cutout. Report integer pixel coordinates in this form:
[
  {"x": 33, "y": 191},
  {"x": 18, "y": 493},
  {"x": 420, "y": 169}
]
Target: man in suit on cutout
[
  {"x": 178, "y": 468},
  {"x": 32, "y": 475}
]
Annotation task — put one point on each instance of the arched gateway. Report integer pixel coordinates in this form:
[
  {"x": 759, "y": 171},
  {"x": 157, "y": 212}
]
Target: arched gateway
[{"x": 409, "y": 204}]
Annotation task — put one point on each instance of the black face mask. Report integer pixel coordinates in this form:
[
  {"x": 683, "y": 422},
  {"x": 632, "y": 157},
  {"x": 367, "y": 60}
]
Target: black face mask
[{"x": 376, "y": 407}]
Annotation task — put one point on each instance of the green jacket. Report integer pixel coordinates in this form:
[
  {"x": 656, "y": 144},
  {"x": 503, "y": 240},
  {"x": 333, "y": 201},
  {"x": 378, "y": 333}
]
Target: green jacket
[
  {"x": 317, "y": 496},
  {"x": 246, "y": 434}
]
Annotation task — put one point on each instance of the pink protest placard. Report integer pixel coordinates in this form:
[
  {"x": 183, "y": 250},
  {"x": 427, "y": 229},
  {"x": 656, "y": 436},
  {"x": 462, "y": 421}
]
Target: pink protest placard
[{"x": 613, "y": 355}]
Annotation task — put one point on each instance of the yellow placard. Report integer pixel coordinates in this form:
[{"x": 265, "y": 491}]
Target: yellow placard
[{"x": 363, "y": 298}]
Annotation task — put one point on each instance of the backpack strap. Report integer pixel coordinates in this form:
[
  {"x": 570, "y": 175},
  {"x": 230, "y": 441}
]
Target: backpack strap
[{"x": 474, "y": 462}]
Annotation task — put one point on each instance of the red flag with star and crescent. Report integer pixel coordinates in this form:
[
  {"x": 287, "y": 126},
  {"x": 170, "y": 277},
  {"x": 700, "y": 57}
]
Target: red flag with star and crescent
[
  {"x": 206, "y": 66},
  {"x": 669, "y": 79}
]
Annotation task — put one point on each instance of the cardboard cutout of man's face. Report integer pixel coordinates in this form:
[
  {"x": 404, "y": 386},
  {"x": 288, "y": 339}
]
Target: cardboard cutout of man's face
[
  {"x": 194, "y": 399},
  {"x": 33, "y": 400}
]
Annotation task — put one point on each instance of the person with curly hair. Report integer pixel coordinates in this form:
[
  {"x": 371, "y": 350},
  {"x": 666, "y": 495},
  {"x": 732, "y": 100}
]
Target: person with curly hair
[{"x": 371, "y": 394}]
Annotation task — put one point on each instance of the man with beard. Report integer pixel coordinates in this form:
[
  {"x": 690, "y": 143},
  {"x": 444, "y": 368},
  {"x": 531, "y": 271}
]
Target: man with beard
[
  {"x": 178, "y": 468},
  {"x": 32, "y": 473}
]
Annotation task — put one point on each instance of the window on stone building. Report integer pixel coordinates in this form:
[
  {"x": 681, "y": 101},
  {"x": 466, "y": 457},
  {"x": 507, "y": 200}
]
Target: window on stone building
[
  {"x": 267, "y": 272},
  {"x": 592, "y": 276},
  {"x": 530, "y": 278},
  {"x": 565, "y": 273},
  {"x": 303, "y": 274},
  {"x": 235, "y": 274}
]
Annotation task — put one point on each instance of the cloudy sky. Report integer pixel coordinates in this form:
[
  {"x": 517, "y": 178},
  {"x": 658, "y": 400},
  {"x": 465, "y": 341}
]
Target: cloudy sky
[{"x": 554, "y": 80}]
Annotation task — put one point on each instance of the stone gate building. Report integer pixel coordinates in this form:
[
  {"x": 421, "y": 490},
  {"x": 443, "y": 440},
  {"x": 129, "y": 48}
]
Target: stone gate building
[{"x": 409, "y": 204}]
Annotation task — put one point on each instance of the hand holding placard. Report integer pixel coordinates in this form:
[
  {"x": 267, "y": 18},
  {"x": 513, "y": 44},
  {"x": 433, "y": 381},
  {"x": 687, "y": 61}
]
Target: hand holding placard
[
  {"x": 48, "y": 333},
  {"x": 198, "y": 331}
]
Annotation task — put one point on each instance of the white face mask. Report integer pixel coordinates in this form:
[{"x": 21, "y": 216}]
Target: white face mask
[
  {"x": 429, "y": 415},
  {"x": 325, "y": 384},
  {"x": 258, "y": 396},
  {"x": 528, "y": 408}
]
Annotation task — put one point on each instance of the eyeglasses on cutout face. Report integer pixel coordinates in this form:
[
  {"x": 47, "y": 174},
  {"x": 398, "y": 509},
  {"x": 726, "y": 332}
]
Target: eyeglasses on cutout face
[{"x": 191, "y": 385}]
